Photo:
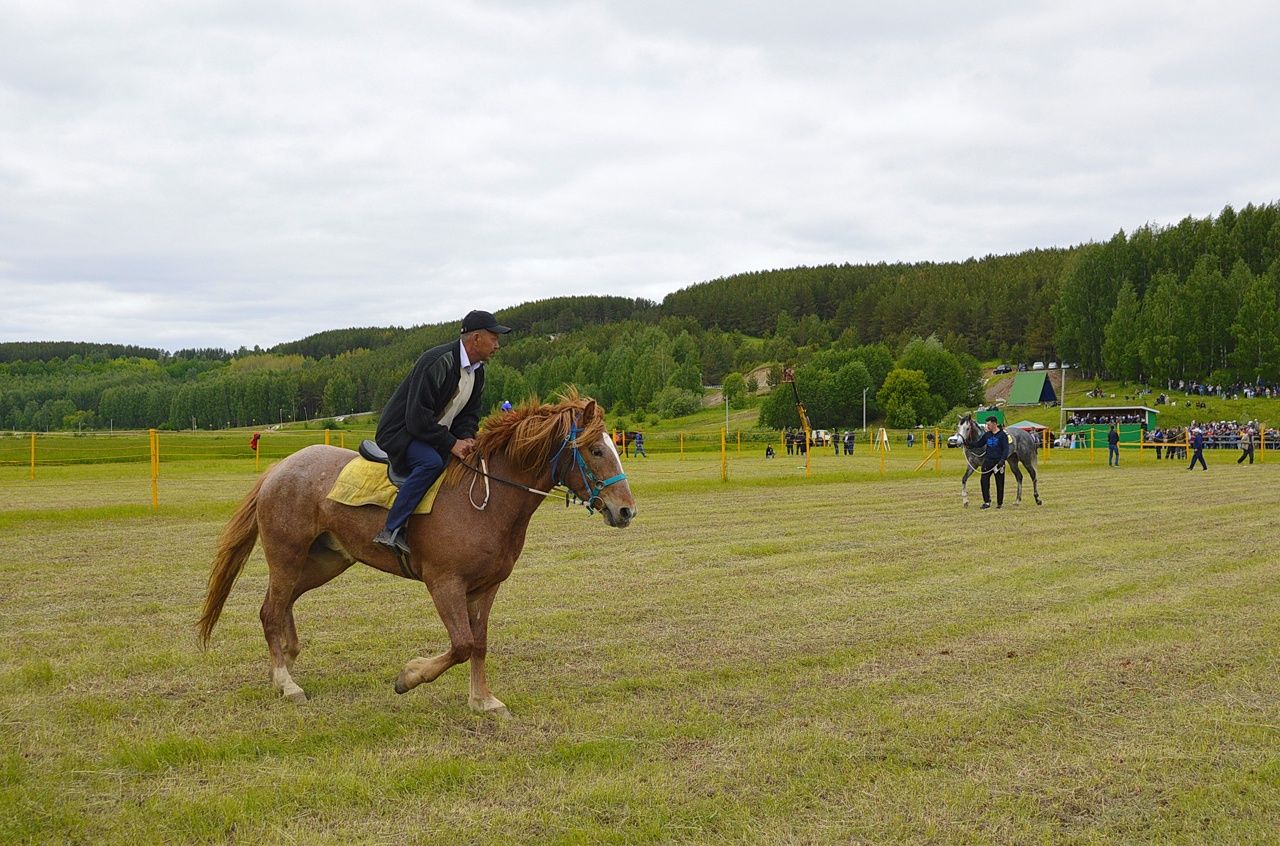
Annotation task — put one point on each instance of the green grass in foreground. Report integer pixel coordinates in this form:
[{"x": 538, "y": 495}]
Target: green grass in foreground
[{"x": 772, "y": 660}]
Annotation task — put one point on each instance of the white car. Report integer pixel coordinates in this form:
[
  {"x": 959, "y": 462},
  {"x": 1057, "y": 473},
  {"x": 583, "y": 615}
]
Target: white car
[
  {"x": 1039, "y": 365},
  {"x": 1053, "y": 365}
]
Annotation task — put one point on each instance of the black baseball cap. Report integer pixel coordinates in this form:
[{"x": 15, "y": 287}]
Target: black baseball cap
[{"x": 482, "y": 320}]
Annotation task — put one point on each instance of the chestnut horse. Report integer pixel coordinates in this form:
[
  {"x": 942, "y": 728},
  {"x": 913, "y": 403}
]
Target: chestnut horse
[{"x": 463, "y": 550}]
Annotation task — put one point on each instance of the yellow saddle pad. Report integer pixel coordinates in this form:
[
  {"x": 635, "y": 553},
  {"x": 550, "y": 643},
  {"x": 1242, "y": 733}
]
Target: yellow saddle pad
[{"x": 364, "y": 482}]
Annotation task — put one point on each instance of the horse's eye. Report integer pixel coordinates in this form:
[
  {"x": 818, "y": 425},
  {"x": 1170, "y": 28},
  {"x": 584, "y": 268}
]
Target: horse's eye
[{"x": 597, "y": 452}]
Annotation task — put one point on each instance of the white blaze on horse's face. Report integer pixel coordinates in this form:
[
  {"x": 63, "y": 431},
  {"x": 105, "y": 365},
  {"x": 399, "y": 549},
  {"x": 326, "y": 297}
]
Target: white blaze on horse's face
[{"x": 616, "y": 501}]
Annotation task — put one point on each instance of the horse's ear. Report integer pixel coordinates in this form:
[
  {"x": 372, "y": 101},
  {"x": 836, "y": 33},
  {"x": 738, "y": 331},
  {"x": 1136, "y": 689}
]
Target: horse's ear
[{"x": 589, "y": 412}]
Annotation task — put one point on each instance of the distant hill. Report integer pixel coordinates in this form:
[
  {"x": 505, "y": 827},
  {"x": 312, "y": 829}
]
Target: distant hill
[{"x": 1192, "y": 301}]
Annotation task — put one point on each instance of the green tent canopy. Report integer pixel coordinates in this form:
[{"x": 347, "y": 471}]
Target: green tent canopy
[{"x": 1032, "y": 389}]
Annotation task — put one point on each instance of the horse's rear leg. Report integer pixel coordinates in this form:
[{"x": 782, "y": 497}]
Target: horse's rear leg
[
  {"x": 1035, "y": 484},
  {"x": 481, "y": 699},
  {"x": 286, "y": 565},
  {"x": 1017, "y": 475},
  {"x": 450, "y": 599},
  {"x": 326, "y": 561}
]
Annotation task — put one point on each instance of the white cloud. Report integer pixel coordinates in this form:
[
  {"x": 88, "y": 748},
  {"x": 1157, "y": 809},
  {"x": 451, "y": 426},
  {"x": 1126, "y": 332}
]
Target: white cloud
[{"x": 235, "y": 174}]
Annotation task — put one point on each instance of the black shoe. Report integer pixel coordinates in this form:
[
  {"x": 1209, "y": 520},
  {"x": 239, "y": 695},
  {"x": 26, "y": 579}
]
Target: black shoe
[
  {"x": 986, "y": 505},
  {"x": 392, "y": 540},
  {"x": 1000, "y": 505}
]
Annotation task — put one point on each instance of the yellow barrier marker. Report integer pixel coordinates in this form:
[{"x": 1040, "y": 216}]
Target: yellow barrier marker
[
  {"x": 33, "y": 456},
  {"x": 724, "y": 458},
  {"x": 155, "y": 470}
]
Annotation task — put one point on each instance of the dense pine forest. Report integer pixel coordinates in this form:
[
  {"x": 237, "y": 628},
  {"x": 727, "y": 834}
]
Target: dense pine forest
[{"x": 1194, "y": 301}]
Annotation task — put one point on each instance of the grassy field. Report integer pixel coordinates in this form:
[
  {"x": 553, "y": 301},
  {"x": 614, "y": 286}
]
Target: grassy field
[{"x": 843, "y": 659}]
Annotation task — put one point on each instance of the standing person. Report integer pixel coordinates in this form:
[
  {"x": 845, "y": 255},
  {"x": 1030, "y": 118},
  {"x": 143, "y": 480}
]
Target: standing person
[
  {"x": 996, "y": 450},
  {"x": 433, "y": 414},
  {"x": 1197, "y": 444},
  {"x": 848, "y": 443},
  {"x": 640, "y": 445},
  {"x": 1113, "y": 447},
  {"x": 1246, "y": 445},
  {"x": 835, "y": 440},
  {"x": 791, "y": 443}
]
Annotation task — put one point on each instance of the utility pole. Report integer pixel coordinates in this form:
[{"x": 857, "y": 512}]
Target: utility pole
[{"x": 864, "y": 409}]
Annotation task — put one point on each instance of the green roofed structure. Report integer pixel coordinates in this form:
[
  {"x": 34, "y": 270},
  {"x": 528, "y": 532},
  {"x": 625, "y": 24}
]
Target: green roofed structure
[{"x": 1032, "y": 389}]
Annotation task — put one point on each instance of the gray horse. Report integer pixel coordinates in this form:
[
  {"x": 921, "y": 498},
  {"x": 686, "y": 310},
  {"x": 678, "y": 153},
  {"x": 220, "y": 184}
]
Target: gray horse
[{"x": 1023, "y": 448}]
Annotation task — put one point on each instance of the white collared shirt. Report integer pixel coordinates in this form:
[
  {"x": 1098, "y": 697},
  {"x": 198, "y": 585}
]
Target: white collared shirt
[{"x": 466, "y": 381}]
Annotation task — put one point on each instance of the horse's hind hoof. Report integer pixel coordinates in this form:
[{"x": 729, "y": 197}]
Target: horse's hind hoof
[{"x": 401, "y": 687}]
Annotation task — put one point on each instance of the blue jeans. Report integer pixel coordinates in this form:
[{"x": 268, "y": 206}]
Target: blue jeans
[
  {"x": 1114, "y": 452},
  {"x": 425, "y": 466}
]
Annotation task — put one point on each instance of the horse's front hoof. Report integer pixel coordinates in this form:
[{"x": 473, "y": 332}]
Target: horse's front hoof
[
  {"x": 402, "y": 686},
  {"x": 294, "y": 694},
  {"x": 1039, "y": 501}
]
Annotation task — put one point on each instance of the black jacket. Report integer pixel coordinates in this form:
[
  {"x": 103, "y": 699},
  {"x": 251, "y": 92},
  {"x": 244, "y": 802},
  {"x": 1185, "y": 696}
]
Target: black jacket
[{"x": 411, "y": 412}]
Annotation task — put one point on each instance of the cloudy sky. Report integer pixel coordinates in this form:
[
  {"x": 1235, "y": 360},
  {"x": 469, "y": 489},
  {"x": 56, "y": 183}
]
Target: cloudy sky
[{"x": 236, "y": 173}]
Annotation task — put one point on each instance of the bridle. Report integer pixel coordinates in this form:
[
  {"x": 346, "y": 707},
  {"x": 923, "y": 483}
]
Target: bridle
[
  {"x": 591, "y": 483},
  {"x": 971, "y": 448}
]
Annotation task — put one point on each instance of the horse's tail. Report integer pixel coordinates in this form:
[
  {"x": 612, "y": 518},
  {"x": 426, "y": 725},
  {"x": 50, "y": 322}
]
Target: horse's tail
[{"x": 235, "y": 544}]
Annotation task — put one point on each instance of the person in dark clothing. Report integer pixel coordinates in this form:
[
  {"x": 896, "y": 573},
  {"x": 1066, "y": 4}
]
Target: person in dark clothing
[
  {"x": 996, "y": 449},
  {"x": 1197, "y": 444},
  {"x": 1113, "y": 447},
  {"x": 434, "y": 414}
]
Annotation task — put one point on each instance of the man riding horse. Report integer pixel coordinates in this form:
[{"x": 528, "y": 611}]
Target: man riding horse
[{"x": 433, "y": 414}]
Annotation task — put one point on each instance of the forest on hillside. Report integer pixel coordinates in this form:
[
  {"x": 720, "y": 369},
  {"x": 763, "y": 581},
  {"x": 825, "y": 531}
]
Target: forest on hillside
[{"x": 1196, "y": 300}]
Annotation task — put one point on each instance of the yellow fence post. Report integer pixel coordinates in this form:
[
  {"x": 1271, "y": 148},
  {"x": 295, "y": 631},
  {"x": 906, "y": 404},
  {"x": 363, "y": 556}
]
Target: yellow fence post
[
  {"x": 682, "y": 446},
  {"x": 326, "y": 437},
  {"x": 33, "y": 456},
  {"x": 155, "y": 470},
  {"x": 782, "y": 441},
  {"x": 342, "y": 439},
  {"x": 724, "y": 457},
  {"x": 937, "y": 451},
  {"x": 739, "y": 441}
]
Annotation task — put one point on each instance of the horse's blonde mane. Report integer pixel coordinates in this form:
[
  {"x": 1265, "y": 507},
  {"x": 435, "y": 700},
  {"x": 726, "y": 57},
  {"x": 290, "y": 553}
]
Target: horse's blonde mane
[{"x": 529, "y": 433}]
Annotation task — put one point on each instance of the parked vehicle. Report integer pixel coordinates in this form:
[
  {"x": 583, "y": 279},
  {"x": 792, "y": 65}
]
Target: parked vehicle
[
  {"x": 1003, "y": 368},
  {"x": 1053, "y": 365},
  {"x": 1039, "y": 365},
  {"x": 821, "y": 437},
  {"x": 1022, "y": 368}
]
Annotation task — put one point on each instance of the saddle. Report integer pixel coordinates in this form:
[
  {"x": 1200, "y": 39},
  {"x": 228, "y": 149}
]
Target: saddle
[{"x": 370, "y": 451}]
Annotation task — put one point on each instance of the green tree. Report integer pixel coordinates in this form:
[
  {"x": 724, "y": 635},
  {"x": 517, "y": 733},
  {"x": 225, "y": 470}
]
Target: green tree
[
  {"x": 735, "y": 390},
  {"x": 1120, "y": 350},
  {"x": 340, "y": 394},
  {"x": 902, "y": 396},
  {"x": 1212, "y": 304},
  {"x": 1256, "y": 331},
  {"x": 1164, "y": 328}
]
